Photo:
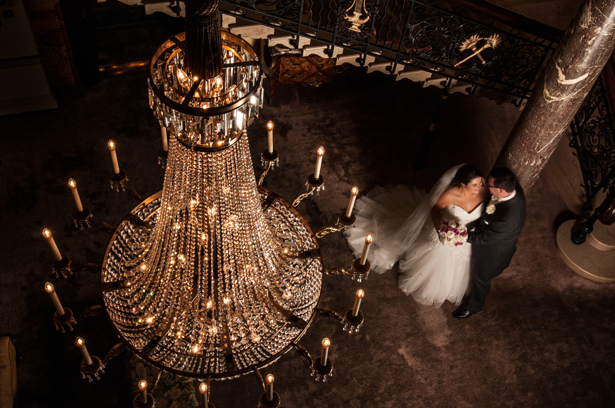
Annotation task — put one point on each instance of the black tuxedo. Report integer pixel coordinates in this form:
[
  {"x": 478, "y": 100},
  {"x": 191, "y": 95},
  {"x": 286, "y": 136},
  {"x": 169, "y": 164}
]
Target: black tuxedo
[{"x": 494, "y": 242}]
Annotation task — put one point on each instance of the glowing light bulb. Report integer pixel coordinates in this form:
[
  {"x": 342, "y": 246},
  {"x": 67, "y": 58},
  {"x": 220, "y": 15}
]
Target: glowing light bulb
[
  {"x": 49, "y": 287},
  {"x": 72, "y": 183},
  {"x": 46, "y": 233}
]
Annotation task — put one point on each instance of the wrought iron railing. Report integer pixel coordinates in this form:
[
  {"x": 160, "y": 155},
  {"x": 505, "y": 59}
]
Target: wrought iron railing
[
  {"x": 472, "y": 41},
  {"x": 593, "y": 138}
]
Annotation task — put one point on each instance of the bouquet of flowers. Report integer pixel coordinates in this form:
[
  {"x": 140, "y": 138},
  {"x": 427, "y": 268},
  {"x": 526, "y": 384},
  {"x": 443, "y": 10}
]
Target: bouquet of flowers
[{"x": 452, "y": 233}]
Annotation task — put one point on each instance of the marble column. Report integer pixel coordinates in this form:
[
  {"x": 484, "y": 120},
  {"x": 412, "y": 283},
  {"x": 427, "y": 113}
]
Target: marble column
[{"x": 560, "y": 91}]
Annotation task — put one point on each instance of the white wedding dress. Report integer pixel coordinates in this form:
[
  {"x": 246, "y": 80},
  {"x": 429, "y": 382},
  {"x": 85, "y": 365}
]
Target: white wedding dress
[{"x": 399, "y": 219}]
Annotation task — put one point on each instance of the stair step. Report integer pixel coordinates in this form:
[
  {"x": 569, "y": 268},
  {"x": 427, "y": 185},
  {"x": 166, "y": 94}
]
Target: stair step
[
  {"x": 384, "y": 67},
  {"x": 587, "y": 261},
  {"x": 228, "y": 20},
  {"x": 352, "y": 59},
  {"x": 320, "y": 51},
  {"x": 284, "y": 40},
  {"x": 416, "y": 75},
  {"x": 160, "y": 7},
  {"x": 256, "y": 31}
]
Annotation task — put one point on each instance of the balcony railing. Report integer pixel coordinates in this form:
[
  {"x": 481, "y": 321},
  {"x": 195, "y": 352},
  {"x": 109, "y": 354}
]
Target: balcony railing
[{"x": 472, "y": 41}]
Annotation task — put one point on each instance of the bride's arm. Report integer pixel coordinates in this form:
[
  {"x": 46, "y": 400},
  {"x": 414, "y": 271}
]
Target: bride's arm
[{"x": 436, "y": 210}]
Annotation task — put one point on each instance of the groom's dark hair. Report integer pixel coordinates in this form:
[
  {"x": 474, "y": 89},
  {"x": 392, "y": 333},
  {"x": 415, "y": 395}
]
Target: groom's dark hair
[{"x": 504, "y": 178}]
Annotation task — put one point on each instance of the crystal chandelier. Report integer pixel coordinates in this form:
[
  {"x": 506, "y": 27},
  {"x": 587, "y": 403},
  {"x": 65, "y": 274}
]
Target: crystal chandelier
[{"x": 215, "y": 276}]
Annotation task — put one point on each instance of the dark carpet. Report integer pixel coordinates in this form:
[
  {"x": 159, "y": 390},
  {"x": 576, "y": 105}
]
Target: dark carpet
[{"x": 544, "y": 339}]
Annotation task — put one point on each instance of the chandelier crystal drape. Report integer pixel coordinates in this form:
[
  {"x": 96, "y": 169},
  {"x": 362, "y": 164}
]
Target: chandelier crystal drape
[{"x": 214, "y": 276}]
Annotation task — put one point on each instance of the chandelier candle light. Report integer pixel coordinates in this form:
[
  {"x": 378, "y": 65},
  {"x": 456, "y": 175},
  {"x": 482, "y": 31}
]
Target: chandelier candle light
[
  {"x": 204, "y": 394},
  {"x": 63, "y": 315},
  {"x": 143, "y": 388},
  {"x": 319, "y": 153},
  {"x": 270, "y": 137},
  {"x": 357, "y": 302},
  {"x": 353, "y": 197},
  {"x": 52, "y": 244},
  {"x": 90, "y": 365},
  {"x": 60, "y": 264},
  {"x": 73, "y": 188},
  {"x": 54, "y": 298},
  {"x": 368, "y": 242},
  {"x": 270, "y": 387},
  {"x": 81, "y": 214},
  {"x": 84, "y": 350},
  {"x": 116, "y": 165},
  {"x": 269, "y": 157},
  {"x": 324, "y": 355}
]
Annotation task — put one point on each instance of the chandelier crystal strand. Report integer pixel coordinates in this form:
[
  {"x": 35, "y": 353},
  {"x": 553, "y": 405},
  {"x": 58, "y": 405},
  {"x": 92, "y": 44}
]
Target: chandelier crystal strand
[{"x": 194, "y": 278}]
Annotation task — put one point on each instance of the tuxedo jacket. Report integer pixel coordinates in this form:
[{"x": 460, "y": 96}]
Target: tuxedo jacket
[{"x": 494, "y": 240}]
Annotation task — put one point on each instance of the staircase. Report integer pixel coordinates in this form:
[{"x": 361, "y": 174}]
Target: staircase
[{"x": 308, "y": 47}]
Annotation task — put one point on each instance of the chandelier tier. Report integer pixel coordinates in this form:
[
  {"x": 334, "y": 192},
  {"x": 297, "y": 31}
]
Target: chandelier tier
[
  {"x": 206, "y": 113},
  {"x": 213, "y": 276}
]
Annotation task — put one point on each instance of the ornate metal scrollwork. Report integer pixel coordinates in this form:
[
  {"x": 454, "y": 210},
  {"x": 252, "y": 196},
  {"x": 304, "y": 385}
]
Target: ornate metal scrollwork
[{"x": 593, "y": 138}]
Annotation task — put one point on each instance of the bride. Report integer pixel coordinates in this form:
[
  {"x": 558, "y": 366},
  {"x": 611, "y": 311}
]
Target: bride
[{"x": 404, "y": 223}]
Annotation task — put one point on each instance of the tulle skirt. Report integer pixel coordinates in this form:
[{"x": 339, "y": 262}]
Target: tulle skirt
[{"x": 429, "y": 271}]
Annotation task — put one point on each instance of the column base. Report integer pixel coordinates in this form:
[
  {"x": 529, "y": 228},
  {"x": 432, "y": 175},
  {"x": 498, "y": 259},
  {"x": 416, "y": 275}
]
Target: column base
[{"x": 586, "y": 260}]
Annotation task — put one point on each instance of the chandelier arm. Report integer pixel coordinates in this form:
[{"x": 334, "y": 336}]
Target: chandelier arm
[
  {"x": 87, "y": 265},
  {"x": 95, "y": 310},
  {"x": 114, "y": 352},
  {"x": 133, "y": 194},
  {"x": 259, "y": 378},
  {"x": 157, "y": 379},
  {"x": 102, "y": 225},
  {"x": 303, "y": 352},
  {"x": 326, "y": 312},
  {"x": 262, "y": 177}
]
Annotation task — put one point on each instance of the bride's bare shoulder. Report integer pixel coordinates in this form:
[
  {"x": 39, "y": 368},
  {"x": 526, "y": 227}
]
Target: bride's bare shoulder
[{"x": 448, "y": 197}]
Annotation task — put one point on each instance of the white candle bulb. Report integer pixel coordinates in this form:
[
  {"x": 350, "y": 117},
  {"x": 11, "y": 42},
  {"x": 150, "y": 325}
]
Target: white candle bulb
[
  {"x": 54, "y": 298},
  {"x": 52, "y": 244},
  {"x": 269, "y": 387},
  {"x": 353, "y": 197},
  {"x": 325, "y": 351},
  {"x": 165, "y": 140},
  {"x": 203, "y": 389},
  {"x": 357, "y": 302},
  {"x": 270, "y": 136},
  {"x": 319, "y": 153},
  {"x": 116, "y": 166},
  {"x": 368, "y": 242},
  {"x": 84, "y": 351},
  {"x": 143, "y": 388},
  {"x": 73, "y": 188}
]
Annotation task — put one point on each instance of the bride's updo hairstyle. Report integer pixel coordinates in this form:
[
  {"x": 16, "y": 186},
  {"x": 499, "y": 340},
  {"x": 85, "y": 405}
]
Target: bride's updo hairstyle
[{"x": 465, "y": 174}]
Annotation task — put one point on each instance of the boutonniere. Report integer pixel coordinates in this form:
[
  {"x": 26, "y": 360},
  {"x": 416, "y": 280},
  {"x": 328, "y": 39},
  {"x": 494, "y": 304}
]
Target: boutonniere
[{"x": 490, "y": 209}]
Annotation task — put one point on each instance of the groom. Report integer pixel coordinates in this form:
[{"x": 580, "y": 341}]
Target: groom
[{"x": 494, "y": 240}]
